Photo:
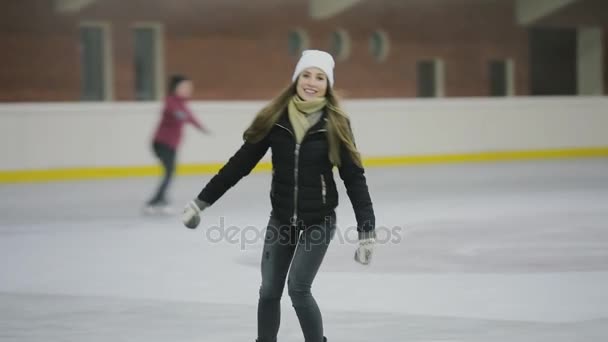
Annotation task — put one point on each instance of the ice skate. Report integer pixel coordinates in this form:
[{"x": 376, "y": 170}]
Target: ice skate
[{"x": 159, "y": 208}]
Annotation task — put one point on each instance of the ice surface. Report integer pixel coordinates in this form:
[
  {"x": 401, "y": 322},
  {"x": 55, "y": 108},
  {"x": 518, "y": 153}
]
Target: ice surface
[{"x": 477, "y": 252}]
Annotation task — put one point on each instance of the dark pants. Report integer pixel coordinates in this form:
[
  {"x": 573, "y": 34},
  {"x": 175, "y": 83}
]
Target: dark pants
[
  {"x": 166, "y": 155},
  {"x": 303, "y": 250}
]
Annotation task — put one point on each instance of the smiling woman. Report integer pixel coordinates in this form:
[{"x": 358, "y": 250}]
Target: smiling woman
[
  {"x": 312, "y": 84},
  {"x": 309, "y": 135}
]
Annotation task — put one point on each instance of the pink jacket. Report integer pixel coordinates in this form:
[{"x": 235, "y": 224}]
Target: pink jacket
[{"x": 175, "y": 115}]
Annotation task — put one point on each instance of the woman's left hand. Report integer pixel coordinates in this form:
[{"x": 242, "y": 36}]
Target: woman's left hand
[{"x": 363, "y": 254}]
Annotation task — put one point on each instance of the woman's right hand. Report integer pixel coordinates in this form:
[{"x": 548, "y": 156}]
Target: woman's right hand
[{"x": 191, "y": 215}]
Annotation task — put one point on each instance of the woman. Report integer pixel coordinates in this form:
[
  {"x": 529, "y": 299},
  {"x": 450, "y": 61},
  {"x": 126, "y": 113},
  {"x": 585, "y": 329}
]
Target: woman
[
  {"x": 309, "y": 134},
  {"x": 168, "y": 137}
]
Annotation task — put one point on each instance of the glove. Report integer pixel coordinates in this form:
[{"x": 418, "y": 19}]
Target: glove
[
  {"x": 191, "y": 215},
  {"x": 363, "y": 254}
]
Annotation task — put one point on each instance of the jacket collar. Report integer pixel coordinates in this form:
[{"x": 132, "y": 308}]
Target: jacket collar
[{"x": 286, "y": 123}]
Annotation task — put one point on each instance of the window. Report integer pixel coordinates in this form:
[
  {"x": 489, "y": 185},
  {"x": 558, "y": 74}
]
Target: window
[
  {"x": 340, "y": 45},
  {"x": 430, "y": 78},
  {"x": 501, "y": 77},
  {"x": 379, "y": 45},
  {"x": 95, "y": 62},
  {"x": 297, "y": 41},
  {"x": 553, "y": 61},
  {"x": 590, "y": 57},
  {"x": 148, "y": 62}
]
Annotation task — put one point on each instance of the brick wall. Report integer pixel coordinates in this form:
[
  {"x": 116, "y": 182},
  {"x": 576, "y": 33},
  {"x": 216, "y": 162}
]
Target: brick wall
[
  {"x": 39, "y": 55},
  {"x": 237, "y": 51}
]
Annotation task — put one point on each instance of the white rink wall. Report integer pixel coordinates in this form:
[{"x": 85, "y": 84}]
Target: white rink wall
[{"x": 58, "y": 135}]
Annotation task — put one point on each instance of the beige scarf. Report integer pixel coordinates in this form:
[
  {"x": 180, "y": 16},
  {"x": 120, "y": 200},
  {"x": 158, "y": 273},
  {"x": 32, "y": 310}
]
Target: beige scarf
[{"x": 304, "y": 114}]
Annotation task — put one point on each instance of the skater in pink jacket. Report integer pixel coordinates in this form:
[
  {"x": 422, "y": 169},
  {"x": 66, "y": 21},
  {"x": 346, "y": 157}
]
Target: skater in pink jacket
[{"x": 168, "y": 136}]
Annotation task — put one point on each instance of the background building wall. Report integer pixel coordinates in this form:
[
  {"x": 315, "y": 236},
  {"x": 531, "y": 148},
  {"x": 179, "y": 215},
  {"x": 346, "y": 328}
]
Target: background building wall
[{"x": 234, "y": 50}]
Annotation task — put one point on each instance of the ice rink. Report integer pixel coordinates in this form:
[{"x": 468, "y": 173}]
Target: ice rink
[{"x": 499, "y": 252}]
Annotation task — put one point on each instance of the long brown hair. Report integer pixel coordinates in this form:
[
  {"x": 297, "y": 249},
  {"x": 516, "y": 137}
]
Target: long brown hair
[{"x": 338, "y": 128}]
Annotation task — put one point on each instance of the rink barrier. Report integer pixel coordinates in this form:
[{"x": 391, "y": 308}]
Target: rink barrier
[{"x": 69, "y": 174}]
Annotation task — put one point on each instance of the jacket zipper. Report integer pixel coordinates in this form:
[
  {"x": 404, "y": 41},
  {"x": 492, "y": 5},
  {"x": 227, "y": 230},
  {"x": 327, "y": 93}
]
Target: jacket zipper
[
  {"x": 295, "y": 191},
  {"x": 294, "y": 218},
  {"x": 323, "y": 189}
]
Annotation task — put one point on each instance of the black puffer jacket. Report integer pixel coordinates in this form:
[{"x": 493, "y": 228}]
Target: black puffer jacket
[{"x": 303, "y": 188}]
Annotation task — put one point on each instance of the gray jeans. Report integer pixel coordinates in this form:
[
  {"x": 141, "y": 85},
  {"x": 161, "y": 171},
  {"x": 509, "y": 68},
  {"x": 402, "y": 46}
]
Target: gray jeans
[{"x": 303, "y": 250}]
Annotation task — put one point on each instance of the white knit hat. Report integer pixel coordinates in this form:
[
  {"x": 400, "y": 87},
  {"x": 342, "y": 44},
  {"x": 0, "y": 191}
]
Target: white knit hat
[{"x": 318, "y": 59}]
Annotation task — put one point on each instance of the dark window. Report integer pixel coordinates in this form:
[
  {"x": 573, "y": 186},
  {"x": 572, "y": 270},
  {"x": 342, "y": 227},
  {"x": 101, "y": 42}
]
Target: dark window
[
  {"x": 92, "y": 63},
  {"x": 378, "y": 46},
  {"x": 553, "y": 61},
  {"x": 295, "y": 43},
  {"x": 145, "y": 63},
  {"x": 426, "y": 77},
  {"x": 498, "y": 78},
  {"x": 337, "y": 44}
]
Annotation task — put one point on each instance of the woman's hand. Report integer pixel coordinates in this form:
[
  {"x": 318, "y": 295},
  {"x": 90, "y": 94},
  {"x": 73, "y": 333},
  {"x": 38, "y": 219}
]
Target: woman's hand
[{"x": 363, "y": 254}]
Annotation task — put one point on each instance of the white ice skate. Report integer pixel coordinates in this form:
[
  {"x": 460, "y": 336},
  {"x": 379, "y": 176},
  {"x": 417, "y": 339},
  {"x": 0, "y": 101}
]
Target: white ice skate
[{"x": 159, "y": 209}]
